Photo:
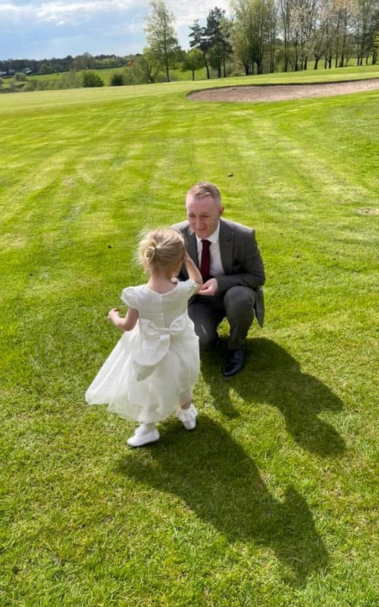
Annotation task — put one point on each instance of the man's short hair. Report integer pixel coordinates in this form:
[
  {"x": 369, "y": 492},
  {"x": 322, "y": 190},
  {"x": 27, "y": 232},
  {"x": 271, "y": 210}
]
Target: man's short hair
[{"x": 203, "y": 189}]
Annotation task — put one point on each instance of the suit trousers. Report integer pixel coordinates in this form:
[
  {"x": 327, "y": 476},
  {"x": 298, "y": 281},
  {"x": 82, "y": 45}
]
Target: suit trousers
[{"x": 236, "y": 304}]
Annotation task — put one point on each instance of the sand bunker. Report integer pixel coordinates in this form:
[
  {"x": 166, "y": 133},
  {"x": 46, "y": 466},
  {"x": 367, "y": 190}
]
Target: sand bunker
[{"x": 282, "y": 92}]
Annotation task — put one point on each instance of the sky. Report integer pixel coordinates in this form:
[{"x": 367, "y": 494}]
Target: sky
[{"x": 56, "y": 28}]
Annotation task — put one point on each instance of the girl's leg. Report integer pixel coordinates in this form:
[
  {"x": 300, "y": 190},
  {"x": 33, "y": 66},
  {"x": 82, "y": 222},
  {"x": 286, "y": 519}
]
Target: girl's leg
[{"x": 187, "y": 412}]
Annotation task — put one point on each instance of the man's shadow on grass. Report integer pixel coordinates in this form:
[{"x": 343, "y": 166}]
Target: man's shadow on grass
[
  {"x": 273, "y": 376},
  {"x": 219, "y": 481}
]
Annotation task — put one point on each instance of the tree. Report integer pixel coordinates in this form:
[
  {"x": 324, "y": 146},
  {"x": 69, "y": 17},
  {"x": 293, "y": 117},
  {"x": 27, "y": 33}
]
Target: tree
[
  {"x": 374, "y": 36},
  {"x": 193, "y": 61},
  {"x": 303, "y": 17},
  {"x": 255, "y": 31},
  {"x": 366, "y": 11},
  {"x": 46, "y": 68},
  {"x": 83, "y": 62},
  {"x": 117, "y": 79},
  {"x": 285, "y": 17},
  {"x": 322, "y": 33},
  {"x": 347, "y": 10},
  {"x": 199, "y": 39},
  {"x": 332, "y": 27},
  {"x": 243, "y": 33},
  {"x": 218, "y": 32},
  {"x": 375, "y": 47},
  {"x": 143, "y": 69},
  {"x": 160, "y": 34},
  {"x": 20, "y": 77},
  {"x": 272, "y": 32},
  {"x": 91, "y": 79}
]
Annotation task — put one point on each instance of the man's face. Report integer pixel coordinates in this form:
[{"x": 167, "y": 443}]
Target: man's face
[{"x": 203, "y": 215}]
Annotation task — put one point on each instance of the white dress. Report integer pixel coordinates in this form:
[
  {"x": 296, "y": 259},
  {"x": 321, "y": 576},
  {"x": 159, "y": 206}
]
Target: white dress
[{"x": 155, "y": 363}]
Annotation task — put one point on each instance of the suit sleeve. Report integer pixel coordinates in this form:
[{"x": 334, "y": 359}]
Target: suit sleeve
[{"x": 248, "y": 269}]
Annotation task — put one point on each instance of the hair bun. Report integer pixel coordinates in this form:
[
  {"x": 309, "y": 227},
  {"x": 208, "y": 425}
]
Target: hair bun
[
  {"x": 151, "y": 250},
  {"x": 162, "y": 247}
]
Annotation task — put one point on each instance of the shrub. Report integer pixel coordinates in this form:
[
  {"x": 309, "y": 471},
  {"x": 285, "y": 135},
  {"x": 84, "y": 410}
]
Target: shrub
[
  {"x": 117, "y": 80},
  {"x": 71, "y": 80},
  {"x": 43, "y": 85},
  {"x": 31, "y": 85},
  {"x": 91, "y": 79},
  {"x": 129, "y": 77},
  {"x": 20, "y": 77}
]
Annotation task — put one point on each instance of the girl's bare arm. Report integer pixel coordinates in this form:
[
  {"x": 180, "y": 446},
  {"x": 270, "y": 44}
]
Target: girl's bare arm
[
  {"x": 193, "y": 271},
  {"x": 124, "y": 324}
]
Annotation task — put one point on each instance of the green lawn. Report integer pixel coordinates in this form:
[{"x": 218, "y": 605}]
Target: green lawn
[{"x": 273, "y": 501}]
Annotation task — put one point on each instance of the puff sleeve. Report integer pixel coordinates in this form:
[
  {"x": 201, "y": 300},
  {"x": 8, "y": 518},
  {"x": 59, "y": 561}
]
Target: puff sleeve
[
  {"x": 191, "y": 287},
  {"x": 129, "y": 297}
]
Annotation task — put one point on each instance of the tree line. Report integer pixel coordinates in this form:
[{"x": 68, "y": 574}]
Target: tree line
[
  {"x": 57, "y": 65},
  {"x": 268, "y": 35}
]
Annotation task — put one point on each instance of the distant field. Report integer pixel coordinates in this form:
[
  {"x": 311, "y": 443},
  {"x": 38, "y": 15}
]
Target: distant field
[
  {"x": 273, "y": 501},
  {"x": 177, "y": 74},
  {"x": 106, "y": 75}
]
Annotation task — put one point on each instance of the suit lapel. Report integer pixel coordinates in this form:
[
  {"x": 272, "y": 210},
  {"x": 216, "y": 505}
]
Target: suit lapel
[{"x": 226, "y": 247}]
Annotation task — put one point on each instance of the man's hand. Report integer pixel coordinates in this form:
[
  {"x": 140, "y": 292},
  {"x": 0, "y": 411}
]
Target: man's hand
[{"x": 209, "y": 288}]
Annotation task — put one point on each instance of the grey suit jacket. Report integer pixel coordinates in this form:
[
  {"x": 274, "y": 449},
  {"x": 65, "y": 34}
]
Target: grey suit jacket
[{"x": 240, "y": 256}]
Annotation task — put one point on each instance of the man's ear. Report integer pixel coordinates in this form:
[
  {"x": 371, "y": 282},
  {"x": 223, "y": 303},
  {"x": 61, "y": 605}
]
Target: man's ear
[{"x": 221, "y": 211}]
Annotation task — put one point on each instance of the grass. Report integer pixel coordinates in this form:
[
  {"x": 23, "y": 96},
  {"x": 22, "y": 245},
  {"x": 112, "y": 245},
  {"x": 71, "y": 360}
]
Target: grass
[
  {"x": 273, "y": 500},
  {"x": 43, "y": 100}
]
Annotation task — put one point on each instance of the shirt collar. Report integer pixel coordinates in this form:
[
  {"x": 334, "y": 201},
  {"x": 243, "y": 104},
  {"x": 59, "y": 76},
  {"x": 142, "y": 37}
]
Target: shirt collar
[{"x": 213, "y": 238}]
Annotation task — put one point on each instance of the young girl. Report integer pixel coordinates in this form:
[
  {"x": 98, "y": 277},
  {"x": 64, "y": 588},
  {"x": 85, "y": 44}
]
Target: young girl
[{"x": 156, "y": 362}]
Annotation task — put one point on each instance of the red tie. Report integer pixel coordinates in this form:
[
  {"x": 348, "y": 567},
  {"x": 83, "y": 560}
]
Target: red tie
[{"x": 205, "y": 265}]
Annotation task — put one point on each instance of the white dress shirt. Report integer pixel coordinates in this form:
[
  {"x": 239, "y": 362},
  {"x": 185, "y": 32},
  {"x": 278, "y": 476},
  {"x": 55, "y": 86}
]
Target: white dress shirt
[{"x": 216, "y": 264}]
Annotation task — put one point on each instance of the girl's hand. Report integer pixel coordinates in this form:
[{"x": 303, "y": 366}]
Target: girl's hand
[
  {"x": 113, "y": 315},
  {"x": 209, "y": 288},
  {"x": 124, "y": 324},
  {"x": 193, "y": 271}
]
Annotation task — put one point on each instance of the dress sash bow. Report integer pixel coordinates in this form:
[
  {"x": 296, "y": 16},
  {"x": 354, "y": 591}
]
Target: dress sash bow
[{"x": 154, "y": 344}]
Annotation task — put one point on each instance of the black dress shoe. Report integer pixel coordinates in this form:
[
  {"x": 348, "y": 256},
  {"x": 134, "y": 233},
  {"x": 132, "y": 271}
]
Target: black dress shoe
[{"x": 234, "y": 363}]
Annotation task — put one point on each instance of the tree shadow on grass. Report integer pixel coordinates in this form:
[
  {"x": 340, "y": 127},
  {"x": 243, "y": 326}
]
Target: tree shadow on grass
[
  {"x": 273, "y": 376},
  {"x": 218, "y": 480}
]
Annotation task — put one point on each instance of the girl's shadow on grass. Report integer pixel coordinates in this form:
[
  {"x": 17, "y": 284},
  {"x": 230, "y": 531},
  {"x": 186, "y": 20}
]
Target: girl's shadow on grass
[
  {"x": 273, "y": 376},
  {"x": 218, "y": 480}
]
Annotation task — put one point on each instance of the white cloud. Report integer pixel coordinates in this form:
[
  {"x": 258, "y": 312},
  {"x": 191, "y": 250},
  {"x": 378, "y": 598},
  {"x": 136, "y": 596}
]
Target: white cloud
[
  {"x": 105, "y": 26},
  {"x": 198, "y": 9},
  {"x": 55, "y": 11},
  {"x": 60, "y": 12},
  {"x": 10, "y": 11}
]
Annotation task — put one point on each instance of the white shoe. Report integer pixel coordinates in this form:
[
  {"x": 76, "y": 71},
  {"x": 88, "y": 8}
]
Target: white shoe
[
  {"x": 143, "y": 438},
  {"x": 188, "y": 417},
  {"x": 141, "y": 430}
]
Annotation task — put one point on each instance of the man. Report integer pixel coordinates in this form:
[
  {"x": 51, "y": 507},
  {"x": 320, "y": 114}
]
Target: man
[{"x": 231, "y": 265}]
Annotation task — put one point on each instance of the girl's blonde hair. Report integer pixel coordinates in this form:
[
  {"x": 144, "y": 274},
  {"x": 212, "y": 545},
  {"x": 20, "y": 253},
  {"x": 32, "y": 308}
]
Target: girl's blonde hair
[{"x": 162, "y": 248}]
